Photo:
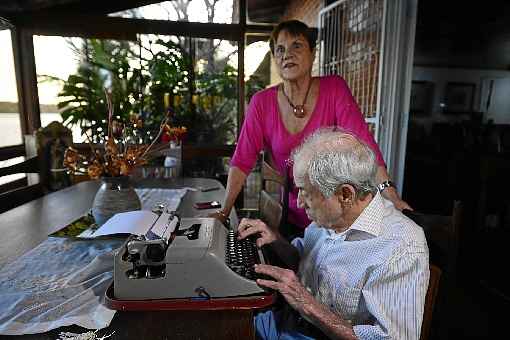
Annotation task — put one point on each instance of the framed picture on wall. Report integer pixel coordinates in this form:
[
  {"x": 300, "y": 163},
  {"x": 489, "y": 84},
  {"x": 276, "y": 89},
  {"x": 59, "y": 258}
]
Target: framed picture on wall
[
  {"x": 422, "y": 97},
  {"x": 459, "y": 97}
]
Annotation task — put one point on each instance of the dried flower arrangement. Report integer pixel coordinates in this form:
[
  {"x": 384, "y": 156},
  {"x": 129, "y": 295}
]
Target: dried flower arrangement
[
  {"x": 174, "y": 134},
  {"x": 122, "y": 151}
]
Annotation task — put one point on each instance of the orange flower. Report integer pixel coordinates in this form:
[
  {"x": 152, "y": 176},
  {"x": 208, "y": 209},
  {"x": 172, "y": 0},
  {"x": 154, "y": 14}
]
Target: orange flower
[
  {"x": 119, "y": 156},
  {"x": 136, "y": 121},
  {"x": 117, "y": 128},
  {"x": 71, "y": 157},
  {"x": 110, "y": 147},
  {"x": 95, "y": 170},
  {"x": 176, "y": 133},
  {"x": 124, "y": 167}
]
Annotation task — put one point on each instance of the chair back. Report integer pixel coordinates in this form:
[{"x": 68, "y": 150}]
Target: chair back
[
  {"x": 442, "y": 233},
  {"x": 276, "y": 187},
  {"x": 51, "y": 143},
  {"x": 492, "y": 197},
  {"x": 19, "y": 192},
  {"x": 30, "y": 165},
  {"x": 271, "y": 176},
  {"x": 270, "y": 210},
  {"x": 430, "y": 301},
  {"x": 43, "y": 167}
]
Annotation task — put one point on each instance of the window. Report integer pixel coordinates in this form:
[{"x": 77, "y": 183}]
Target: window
[
  {"x": 55, "y": 60},
  {"x": 9, "y": 114},
  {"x": 216, "y": 11}
]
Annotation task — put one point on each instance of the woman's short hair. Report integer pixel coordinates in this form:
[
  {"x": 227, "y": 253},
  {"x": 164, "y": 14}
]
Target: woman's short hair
[
  {"x": 295, "y": 28},
  {"x": 334, "y": 157}
]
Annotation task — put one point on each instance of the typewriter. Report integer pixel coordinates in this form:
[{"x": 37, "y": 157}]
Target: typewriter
[{"x": 194, "y": 258}]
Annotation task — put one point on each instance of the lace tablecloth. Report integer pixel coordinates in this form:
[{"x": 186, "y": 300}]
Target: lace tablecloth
[
  {"x": 63, "y": 280},
  {"x": 60, "y": 282}
]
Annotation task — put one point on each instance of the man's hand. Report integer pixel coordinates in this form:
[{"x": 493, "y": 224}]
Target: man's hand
[
  {"x": 249, "y": 227},
  {"x": 287, "y": 283}
]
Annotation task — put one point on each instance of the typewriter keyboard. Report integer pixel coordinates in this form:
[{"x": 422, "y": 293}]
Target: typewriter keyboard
[{"x": 241, "y": 255}]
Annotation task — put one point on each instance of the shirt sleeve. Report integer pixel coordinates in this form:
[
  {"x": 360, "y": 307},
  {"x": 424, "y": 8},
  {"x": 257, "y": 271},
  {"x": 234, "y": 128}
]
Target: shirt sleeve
[
  {"x": 299, "y": 245},
  {"x": 349, "y": 117},
  {"x": 251, "y": 138},
  {"x": 395, "y": 297}
]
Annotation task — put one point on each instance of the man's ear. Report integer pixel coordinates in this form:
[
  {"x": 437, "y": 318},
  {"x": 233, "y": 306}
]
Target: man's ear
[{"x": 345, "y": 193}]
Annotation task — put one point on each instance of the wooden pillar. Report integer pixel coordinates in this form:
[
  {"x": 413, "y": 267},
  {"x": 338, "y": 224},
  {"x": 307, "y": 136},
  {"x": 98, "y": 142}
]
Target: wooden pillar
[
  {"x": 241, "y": 42},
  {"x": 240, "y": 64},
  {"x": 26, "y": 80}
]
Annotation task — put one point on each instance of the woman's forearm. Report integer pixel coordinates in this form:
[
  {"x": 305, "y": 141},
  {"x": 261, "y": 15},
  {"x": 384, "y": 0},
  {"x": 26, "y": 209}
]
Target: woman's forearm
[
  {"x": 390, "y": 192},
  {"x": 235, "y": 182},
  {"x": 382, "y": 174}
]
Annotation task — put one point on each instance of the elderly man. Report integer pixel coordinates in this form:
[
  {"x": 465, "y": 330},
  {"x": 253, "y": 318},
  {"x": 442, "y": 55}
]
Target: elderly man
[{"x": 363, "y": 266}]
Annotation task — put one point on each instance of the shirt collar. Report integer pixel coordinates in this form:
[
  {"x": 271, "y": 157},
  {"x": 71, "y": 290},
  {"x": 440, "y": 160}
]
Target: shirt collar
[{"x": 369, "y": 221}]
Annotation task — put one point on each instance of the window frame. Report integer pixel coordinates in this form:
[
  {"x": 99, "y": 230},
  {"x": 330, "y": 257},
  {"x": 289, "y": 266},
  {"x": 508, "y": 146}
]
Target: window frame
[{"x": 105, "y": 27}]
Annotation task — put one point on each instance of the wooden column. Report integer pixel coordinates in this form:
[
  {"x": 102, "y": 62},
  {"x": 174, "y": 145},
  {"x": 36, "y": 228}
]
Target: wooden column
[
  {"x": 26, "y": 80},
  {"x": 240, "y": 64}
]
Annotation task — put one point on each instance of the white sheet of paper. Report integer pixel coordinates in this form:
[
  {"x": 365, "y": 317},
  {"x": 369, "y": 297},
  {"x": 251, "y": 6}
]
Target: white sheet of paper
[
  {"x": 136, "y": 222},
  {"x": 163, "y": 227}
]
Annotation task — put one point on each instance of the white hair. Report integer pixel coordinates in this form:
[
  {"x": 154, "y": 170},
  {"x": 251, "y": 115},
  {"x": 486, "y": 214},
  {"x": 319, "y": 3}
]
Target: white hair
[{"x": 332, "y": 157}]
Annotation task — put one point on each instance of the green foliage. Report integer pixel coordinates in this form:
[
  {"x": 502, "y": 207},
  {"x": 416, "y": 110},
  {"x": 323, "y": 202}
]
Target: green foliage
[
  {"x": 168, "y": 71},
  {"x": 214, "y": 109},
  {"x": 105, "y": 63},
  {"x": 204, "y": 102}
]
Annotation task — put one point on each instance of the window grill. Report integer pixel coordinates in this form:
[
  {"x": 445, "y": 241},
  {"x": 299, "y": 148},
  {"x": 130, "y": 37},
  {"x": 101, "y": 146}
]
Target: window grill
[{"x": 350, "y": 36}]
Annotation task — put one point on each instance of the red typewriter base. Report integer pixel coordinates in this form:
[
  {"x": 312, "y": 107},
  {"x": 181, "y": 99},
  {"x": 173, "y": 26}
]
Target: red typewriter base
[{"x": 231, "y": 303}]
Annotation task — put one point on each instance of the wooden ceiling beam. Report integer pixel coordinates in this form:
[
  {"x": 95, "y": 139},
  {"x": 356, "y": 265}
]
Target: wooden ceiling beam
[
  {"x": 92, "y": 7},
  {"x": 104, "y": 27},
  {"x": 262, "y": 29},
  {"x": 5, "y": 24},
  {"x": 17, "y": 6},
  {"x": 266, "y": 10},
  {"x": 69, "y": 7}
]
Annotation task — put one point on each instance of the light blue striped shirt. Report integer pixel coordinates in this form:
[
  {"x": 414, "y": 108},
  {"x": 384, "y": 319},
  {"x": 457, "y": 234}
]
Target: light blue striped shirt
[{"x": 375, "y": 274}]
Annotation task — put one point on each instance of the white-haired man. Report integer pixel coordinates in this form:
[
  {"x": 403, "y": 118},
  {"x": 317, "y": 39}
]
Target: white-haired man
[{"x": 363, "y": 266}]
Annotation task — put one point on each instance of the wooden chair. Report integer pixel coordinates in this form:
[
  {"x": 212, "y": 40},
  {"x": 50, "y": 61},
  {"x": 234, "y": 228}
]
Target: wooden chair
[
  {"x": 492, "y": 197},
  {"x": 43, "y": 166},
  {"x": 270, "y": 210},
  {"x": 51, "y": 142},
  {"x": 24, "y": 192},
  {"x": 442, "y": 233},
  {"x": 430, "y": 301},
  {"x": 274, "y": 198}
]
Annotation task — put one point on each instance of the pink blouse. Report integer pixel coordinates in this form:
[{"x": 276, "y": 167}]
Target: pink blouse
[{"x": 263, "y": 128}]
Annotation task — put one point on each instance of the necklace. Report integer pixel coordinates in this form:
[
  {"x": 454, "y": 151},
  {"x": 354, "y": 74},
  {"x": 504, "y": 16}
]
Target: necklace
[{"x": 298, "y": 110}]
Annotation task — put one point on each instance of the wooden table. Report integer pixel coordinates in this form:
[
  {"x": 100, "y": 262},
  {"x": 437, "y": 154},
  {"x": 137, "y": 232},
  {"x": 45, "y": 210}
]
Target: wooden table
[{"x": 26, "y": 226}]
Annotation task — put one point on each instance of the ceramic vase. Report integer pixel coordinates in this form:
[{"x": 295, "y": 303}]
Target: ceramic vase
[{"x": 115, "y": 195}]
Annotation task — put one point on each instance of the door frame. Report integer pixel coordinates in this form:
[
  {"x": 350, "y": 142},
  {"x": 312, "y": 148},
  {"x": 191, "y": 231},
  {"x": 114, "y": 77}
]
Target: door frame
[{"x": 395, "y": 84}]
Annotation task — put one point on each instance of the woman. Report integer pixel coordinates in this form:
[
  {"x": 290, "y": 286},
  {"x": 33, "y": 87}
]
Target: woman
[{"x": 281, "y": 117}]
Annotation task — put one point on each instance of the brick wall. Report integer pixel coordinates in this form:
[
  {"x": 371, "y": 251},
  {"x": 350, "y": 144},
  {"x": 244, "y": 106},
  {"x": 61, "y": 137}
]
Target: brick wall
[{"x": 304, "y": 10}]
